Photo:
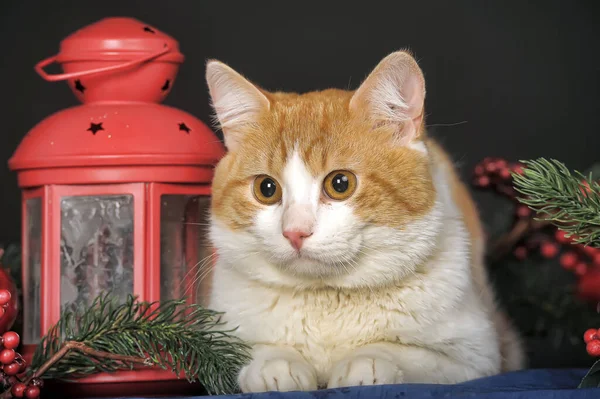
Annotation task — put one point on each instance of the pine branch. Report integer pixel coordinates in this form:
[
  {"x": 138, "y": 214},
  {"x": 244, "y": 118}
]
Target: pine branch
[
  {"x": 75, "y": 346},
  {"x": 570, "y": 201},
  {"x": 183, "y": 338}
]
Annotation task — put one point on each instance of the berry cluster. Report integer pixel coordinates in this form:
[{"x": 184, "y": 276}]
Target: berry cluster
[
  {"x": 592, "y": 340},
  {"x": 12, "y": 363},
  {"x": 577, "y": 258},
  {"x": 549, "y": 242},
  {"x": 496, "y": 174}
]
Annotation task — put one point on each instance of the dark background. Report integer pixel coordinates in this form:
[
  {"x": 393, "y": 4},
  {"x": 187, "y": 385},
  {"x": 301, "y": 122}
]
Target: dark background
[
  {"x": 524, "y": 75},
  {"x": 515, "y": 79}
]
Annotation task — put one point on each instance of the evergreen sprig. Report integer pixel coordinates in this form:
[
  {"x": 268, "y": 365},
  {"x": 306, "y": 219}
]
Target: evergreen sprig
[
  {"x": 570, "y": 201},
  {"x": 172, "y": 335}
]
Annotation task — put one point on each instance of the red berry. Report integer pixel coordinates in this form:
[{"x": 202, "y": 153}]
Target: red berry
[
  {"x": 11, "y": 340},
  {"x": 581, "y": 269},
  {"x": 568, "y": 260},
  {"x": 18, "y": 390},
  {"x": 589, "y": 250},
  {"x": 479, "y": 170},
  {"x": 548, "y": 250},
  {"x": 590, "y": 335},
  {"x": 11, "y": 369},
  {"x": 32, "y": 392},
  {"x": 4, "y": 297},
  {"x": 585, "y": 188},
  {"x": 501, "y": 163},
  {"x": 7, "y": 356},
  {"x": 518, "y": 169},
  {"x": 491, "y": 167},
  {"x": 483, "y": 181},
  {"x": 561, "y": 237},
  {"x": 504, "y": 173},
  {"x": 2, "y": 311},
  {"x": 593, "y": 348},
  {"x": 523, "y": 211},
  {"x": 587, "y": 286},
  {"x": 596, "y": 259},
  {"x": 520, "y": 253}
]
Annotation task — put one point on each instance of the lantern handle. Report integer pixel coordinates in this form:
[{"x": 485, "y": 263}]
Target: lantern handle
[{"x": 39, "y": 68}]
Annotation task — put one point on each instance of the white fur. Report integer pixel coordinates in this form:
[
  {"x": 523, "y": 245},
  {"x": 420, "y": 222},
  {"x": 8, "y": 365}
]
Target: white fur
[
  {"x": 362, "y": 304},
  {"x": 302, "y": 197}
]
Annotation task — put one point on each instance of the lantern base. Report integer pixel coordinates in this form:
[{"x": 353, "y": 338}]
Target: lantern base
[
  {"x": 143, "y": 386},
  {"x": 145, "y": 382},
  {"x": 146, "y": 389}
]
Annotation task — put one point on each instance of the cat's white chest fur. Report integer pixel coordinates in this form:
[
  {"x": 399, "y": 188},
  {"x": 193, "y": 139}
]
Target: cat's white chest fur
[
  {"x": 323, "y": 325},
  {"x": 433, "y": 311}
]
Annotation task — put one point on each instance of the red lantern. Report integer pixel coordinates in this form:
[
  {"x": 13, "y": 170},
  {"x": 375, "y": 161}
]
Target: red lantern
[{"x": 115, "y": 191}]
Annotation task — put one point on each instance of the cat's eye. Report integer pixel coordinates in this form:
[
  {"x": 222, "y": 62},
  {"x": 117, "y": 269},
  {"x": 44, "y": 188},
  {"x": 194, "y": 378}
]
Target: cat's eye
[
  {"x": 339, "y": 185},
  {"x": 266, "y": 190}
]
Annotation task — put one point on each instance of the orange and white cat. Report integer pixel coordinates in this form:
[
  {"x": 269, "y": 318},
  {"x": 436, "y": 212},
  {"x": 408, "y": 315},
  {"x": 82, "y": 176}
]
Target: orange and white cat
[{"x": 349, "y": 252}]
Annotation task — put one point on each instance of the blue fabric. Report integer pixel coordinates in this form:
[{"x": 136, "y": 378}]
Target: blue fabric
[{"x": 529, "y": 384}]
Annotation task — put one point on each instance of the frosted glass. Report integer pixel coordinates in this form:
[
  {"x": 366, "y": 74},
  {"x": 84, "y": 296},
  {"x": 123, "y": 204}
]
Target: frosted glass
[
  {"x": 96, "y": 249},
  {"x": 33, "y": 263}
]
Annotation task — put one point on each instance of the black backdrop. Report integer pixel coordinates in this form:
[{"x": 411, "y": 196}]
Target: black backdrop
[
  {"x": 523, "y": 76},
  {"x": 516, "y": 79}
]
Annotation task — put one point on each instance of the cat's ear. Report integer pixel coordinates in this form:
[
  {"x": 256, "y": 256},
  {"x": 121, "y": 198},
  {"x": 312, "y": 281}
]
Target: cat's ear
[
  {"x": 394, "y": 94},
  {"x": 236, "y": 101}
]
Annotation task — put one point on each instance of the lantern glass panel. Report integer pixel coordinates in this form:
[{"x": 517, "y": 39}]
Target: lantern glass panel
[
  {"x": 33, "y": 263},
  {"x": 185, "y": 255},
  {"x": 96, "y": 248}
]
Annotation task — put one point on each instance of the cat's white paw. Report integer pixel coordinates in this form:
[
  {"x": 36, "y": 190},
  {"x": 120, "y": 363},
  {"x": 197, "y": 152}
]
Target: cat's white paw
[
  {"x": 364, "y": 370},
  {"x": 277, "y": 371}
]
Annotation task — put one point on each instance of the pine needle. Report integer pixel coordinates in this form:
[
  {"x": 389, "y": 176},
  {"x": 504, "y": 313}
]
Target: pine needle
[
  {"x": 569, "y": 201},
  {"x": 182, "y": 338}
]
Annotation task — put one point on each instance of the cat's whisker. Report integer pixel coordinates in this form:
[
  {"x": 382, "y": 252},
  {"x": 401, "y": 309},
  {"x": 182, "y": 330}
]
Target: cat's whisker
[
  {"x": 197, "y": 224},
  {"x": 197, "y": 265},
  {"x": 447, "y": 124},
  {"x": 200, "y": 268},
  {"x": 355, "y": 266},
  {"x": 342, "y": 263}
]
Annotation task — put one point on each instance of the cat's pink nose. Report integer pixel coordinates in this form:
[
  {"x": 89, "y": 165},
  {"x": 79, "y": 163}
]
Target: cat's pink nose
[{"x": 296, "y": 238}]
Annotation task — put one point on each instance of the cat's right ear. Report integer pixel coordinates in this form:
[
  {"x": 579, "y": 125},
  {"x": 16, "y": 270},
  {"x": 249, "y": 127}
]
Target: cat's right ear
[
  {"x": 394, "y": 94},
  {"x": 236, "y": 101}
]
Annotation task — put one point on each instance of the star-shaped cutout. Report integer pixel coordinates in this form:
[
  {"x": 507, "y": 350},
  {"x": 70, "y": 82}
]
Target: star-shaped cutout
[
  {"x": 148, "y": 29},
  {"x": 166, "y": 85},
  {"x": 95, "y": 127},
  {"x": 183, "y": 127},
  {"x": 79, "y": 86}
]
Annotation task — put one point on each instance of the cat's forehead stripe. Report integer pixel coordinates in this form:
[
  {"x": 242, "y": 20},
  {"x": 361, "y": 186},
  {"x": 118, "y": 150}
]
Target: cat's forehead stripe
[{"x": 298, "y": 181}]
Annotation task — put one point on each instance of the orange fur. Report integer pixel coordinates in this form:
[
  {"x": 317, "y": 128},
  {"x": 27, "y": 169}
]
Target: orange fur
[{"x": 394, "y": 183}]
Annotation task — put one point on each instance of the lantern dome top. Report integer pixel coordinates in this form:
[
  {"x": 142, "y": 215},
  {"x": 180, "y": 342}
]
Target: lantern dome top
[
  {"x": 117, "y": 38},
  {"x": 121, "y": 69}
]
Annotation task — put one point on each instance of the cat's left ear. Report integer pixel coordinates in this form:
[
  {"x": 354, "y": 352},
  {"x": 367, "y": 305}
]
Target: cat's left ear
[
  {"x": 236, "y": 101},
  {"x": 394, "y": 94}
]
